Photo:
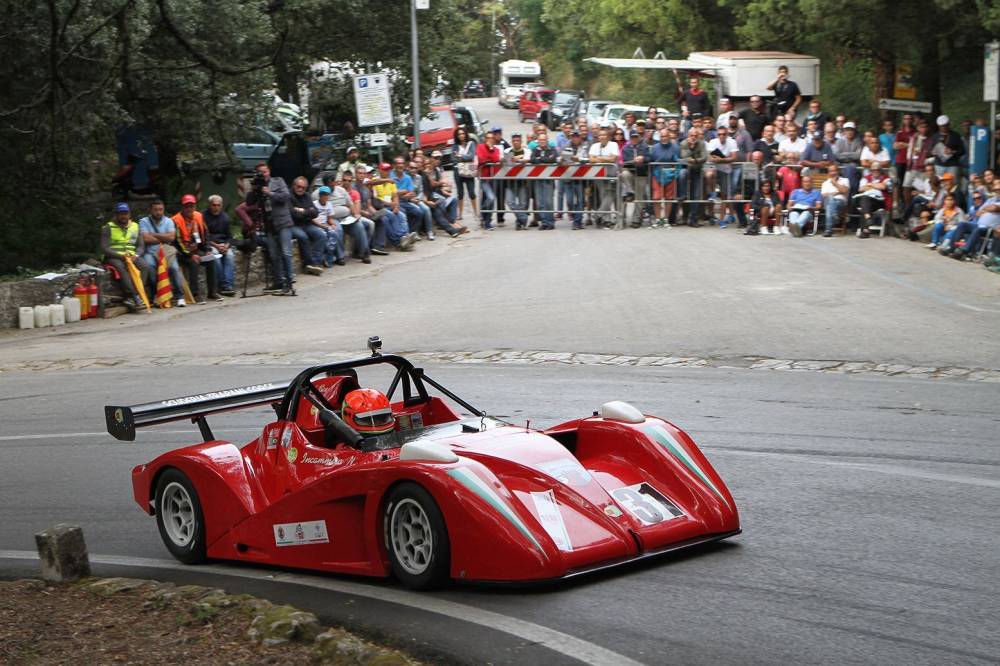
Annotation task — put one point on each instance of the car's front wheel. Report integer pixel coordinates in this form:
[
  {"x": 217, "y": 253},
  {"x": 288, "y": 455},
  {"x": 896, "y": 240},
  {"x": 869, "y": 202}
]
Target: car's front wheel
[
  {"x": 416, "y": 538},
  {"x": 179, "y": 517}
]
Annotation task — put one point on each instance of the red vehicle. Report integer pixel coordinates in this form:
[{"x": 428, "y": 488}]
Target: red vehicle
[
  {"x": 533, "y": 102},
  {"x": 436, "y": 497},
  {"x": 437, "y": 131}
]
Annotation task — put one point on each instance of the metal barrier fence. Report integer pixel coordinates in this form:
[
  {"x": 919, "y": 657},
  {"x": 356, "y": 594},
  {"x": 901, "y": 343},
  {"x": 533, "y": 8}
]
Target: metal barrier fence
[{"x": 588, "y": 189}]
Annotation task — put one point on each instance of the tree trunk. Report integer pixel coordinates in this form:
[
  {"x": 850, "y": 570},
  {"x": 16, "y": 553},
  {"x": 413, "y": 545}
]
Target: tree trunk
[
  {"x": 929, "y": 75},
  {"x": 885, "y": 80}
]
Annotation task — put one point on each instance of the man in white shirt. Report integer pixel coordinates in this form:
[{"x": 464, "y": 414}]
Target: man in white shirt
[
  {"x": 604, "y": 151},
  {"x": 517, "y": 190},
  {"x": 722, "y": 152},
  {"x": 726, "y": 108},
  {"x": 873, "y": 152},
  {"x": 791, "y": 147},
  {"x": 834, "y": 190}
]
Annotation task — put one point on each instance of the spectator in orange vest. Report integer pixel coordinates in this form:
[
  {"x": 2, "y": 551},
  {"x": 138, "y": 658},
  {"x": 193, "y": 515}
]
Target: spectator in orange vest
[{"x": 194, "y": 249}]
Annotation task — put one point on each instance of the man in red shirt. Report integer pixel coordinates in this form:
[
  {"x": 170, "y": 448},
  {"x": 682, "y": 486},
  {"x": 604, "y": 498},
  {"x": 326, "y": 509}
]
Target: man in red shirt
[
  {"x": 901, "y": 143},
  {"x": 194, "y": 250},
  {"x": 488, "y": 158}
]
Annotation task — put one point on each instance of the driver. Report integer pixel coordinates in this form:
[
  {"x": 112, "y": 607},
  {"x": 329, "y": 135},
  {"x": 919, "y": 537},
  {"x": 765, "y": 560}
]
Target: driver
[{"x": 368, "y": 411}]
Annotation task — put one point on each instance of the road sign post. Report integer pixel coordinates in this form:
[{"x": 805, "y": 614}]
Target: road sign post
[
  {"x": 372, "y": 99},
  {"x": 991, "y": 90},
  {"x": 414, "y": 6},
  {"x": 906, "y": 105}
]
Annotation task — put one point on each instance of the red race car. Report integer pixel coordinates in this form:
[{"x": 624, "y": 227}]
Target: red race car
[{"x": 351, "y": 480}]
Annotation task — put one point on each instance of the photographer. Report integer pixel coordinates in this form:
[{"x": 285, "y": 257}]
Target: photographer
[{"x": 267, "y": 221}]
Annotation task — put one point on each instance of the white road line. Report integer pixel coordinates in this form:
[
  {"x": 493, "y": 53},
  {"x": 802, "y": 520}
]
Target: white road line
[
  {"x": 896, "y": 470},
  {"x": 557, "y": 641}
]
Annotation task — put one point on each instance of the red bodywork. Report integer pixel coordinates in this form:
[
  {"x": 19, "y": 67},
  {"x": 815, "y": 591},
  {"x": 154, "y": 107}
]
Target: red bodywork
[
  {"x": 491, "y": 499},
  {"x": 534, "y": 101},
  {"x": 437, "y": 131}
]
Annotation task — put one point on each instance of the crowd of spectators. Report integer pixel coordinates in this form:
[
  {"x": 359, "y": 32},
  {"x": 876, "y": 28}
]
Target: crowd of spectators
[{"x": 767, "y": 169}]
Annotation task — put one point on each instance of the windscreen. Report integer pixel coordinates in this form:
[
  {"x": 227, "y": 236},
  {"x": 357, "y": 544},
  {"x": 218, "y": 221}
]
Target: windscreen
[
  {"x": 519, "y": 80},
  {"x": 435, "y": 121},
  {"x": 564, "y": 99},
  {"x": 546, "y": 96}
]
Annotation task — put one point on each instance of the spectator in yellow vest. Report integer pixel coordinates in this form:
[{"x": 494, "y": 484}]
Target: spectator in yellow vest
[{"x": 120, "y": 239}]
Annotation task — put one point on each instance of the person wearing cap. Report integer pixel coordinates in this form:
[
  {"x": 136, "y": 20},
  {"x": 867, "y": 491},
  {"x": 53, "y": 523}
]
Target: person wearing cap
[
  {"x": 394, "y": 225},
  {"x": 818, "y": 155},
  {"x": 947, "y": 149},
  {"x": 544, "y": 154},
  {"x": 120, "y": 239},
  {"x": 158, "y": 231},
  {"x": 352, "y": 162},
  {"x": 326, "y": 219},
  {"x": 982, "y": 223},
  {"x": 635, "y": 178},
  {"x": 194, "y": 251},
  {"x": 848, "y": 151},
  {"x": 574, "y": 153}
]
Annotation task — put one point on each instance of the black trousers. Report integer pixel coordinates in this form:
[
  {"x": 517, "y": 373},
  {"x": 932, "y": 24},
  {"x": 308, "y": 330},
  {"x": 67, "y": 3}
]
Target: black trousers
[{"x": 191, "y": 268}]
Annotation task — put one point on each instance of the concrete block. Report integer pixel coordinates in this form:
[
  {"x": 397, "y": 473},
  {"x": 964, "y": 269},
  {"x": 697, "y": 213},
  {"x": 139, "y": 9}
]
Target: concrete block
[{"x": 63, "y": 553}]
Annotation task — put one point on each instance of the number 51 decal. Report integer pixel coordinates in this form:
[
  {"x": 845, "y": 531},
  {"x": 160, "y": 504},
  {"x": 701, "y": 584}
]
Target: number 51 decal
[{"x": 646, "y": 503}]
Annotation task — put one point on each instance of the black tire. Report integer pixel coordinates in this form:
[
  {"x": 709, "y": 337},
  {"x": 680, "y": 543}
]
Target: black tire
[
  {"x": 176, "y": 489},
  {"x": 429, "y": 567}
]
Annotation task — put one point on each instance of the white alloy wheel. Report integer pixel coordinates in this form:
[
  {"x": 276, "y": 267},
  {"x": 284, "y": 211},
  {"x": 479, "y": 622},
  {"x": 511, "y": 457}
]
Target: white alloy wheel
[
  {"x": 411, "y": 536},
  {"x": 178, "y": 514}
]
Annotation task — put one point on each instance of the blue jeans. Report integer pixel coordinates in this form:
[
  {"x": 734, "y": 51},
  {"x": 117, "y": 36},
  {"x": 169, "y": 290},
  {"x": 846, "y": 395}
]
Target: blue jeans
[
  {"x": 574, "y": 201},
  {"x": 543, "y": 197},
  {"x": 517, "y": 201},
  {"x": 173, "y": 270},
  {"x": 311, "y": 240},
  {"x": 356, "y": 230},
  {"x": 833, "y": 207},
  {"x": 487, "y": 202},
  {"x": 689, "y": 188},
  {"x": 334, "y": 248},
  {"x": 392, "y": 226},
  {"x": 279, "y": 249},
  {"x": 227, "y": 269},
  {"x": 418, "y": 216},
  {"x": 800, "y": 217}
]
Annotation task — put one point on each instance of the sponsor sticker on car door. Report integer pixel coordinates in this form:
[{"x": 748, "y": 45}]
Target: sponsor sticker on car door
[{"x": 301, "y": 534}]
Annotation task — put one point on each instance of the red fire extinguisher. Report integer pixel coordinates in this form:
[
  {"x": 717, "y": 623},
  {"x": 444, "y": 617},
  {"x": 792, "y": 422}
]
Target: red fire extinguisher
[
  {"x": 81, "y": 294},
  {"x": 93, "y": 295}
]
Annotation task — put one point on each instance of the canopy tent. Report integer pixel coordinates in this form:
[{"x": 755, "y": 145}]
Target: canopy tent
[{"x": 652, "y": 63}]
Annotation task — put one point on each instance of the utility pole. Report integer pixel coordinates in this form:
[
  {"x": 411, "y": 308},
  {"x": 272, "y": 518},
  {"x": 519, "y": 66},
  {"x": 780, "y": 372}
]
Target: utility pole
[
  {"x": 493, "y": 51},
  {"x": 416, "y": 71}
]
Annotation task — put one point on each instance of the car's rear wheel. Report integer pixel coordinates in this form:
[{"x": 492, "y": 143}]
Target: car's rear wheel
[
  {"x": 179, "y": 517},
  {"x": 416, "y": 538}
]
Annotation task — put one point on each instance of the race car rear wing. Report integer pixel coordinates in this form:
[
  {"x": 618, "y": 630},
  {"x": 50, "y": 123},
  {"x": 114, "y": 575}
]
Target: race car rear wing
[{"x": 122, "y": 421}]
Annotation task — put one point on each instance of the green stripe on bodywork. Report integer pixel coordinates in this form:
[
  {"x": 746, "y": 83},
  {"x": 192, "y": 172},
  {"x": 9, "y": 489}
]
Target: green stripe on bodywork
[
  {"x": 473, "y": 482},
  {"x": 665, "y": 439}
]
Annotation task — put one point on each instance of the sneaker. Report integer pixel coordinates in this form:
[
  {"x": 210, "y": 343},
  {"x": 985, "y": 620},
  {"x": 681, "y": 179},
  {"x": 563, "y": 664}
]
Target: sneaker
[
  {"x": 215, "y": 297},
  {"x": 827, "y": 234},
  {"x": 931, "y": 246},
  {"x": 181, "y": 303},
  {"x": 227, "y": 292},
  {"x": 340, "y": 262},
  {"x": 130, "y": 304},
  {"x": 784, "y": 230},
  {"x": 796, "y": 229},
  {"x": 382, "y": 253},
  {"x": 408, "y": 240},
  {"x": 366, "y": 259},
  {"x": 200, "y": 300},
  {"x": 288, "y": 291},
  {"x": 270, "y": 289},
  {"x": 313, "y": 270},
  {"x": 765, "y": 231},
  {"x": 430, "y": 237}
]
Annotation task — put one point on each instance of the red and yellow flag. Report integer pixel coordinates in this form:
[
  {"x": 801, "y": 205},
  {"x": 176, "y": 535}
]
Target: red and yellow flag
[{"x": 163, "y": 290}]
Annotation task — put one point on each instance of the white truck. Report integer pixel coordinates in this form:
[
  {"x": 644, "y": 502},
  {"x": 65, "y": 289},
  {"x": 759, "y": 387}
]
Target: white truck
[
  {"x": 736, "y": 74},
  {"x": 514, "y": 74}
]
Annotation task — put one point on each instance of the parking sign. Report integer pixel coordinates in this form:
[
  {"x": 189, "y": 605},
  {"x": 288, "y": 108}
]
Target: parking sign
[{"x": 372, "y": 99}]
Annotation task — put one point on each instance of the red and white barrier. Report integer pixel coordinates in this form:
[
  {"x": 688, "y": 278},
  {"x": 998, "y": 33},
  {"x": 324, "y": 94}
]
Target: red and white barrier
[{"x": 554, "y": 171}]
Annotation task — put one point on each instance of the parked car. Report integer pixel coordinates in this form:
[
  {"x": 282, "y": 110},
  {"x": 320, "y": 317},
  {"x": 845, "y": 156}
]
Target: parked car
[
  {"x": 253, "y": 145},
  {"x": 614, "y": 113},
  {"x": 595, "y": 109},
  {"x": 467, "y": 117},
  {"x": 566, "y": 105},
  {"x": 474, "y": 88},
  {"x": 510, "y": 96},
  {"x": 437, "y": 131},
  {"x": 533, "y": 102}
]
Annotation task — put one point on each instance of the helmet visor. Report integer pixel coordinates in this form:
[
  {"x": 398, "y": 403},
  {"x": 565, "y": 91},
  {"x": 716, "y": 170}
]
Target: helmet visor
[{"x": 376, "y": 419}]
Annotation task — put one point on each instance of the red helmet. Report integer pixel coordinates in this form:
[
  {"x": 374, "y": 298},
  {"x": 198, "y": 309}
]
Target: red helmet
[{"x": 368, "y": 411}]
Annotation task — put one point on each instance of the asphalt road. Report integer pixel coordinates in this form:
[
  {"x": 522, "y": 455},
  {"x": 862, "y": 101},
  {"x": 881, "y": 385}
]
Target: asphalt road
[
  {"x": 868, "y": 503},
  {"x": 868, "y": 506}
]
